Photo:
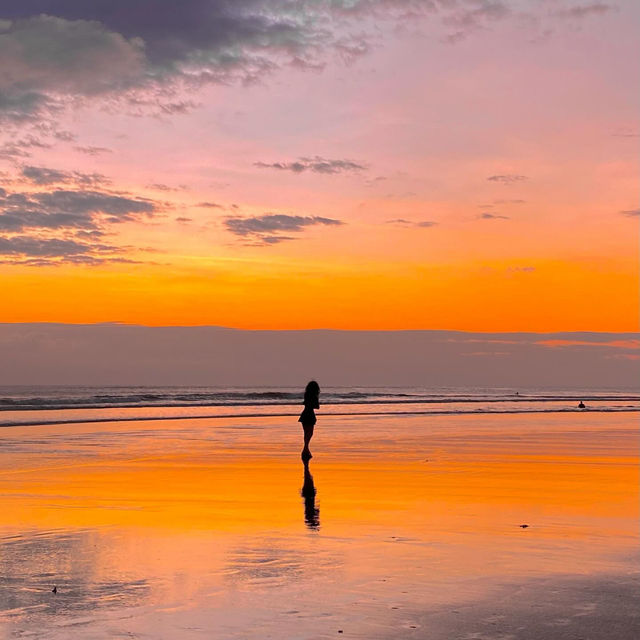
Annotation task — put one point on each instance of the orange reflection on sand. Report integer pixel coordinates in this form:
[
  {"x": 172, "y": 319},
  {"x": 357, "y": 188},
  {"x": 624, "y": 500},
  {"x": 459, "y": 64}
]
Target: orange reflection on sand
[{"x": 429, "y": 477}]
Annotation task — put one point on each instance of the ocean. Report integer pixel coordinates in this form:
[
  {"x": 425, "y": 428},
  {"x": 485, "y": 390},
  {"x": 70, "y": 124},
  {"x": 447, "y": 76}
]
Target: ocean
[{"x": 30, "y": 405}]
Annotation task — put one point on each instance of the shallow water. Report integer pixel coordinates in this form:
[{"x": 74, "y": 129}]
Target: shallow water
[{"x": 409, "y": 526}]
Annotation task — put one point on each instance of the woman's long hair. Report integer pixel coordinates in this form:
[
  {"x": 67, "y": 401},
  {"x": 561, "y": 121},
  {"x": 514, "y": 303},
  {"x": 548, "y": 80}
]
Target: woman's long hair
[{"x": 311, "y": 392}]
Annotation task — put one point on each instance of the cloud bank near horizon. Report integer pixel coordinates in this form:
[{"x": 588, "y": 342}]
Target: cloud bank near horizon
[{"x": 130, "y": 354}]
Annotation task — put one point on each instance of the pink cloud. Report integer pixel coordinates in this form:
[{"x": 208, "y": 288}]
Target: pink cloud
[{"x": 615, "y": 344}]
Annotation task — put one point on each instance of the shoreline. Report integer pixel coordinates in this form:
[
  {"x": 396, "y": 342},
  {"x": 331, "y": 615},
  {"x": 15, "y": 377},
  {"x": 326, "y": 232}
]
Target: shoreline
[{"x": 571, "y": 410}]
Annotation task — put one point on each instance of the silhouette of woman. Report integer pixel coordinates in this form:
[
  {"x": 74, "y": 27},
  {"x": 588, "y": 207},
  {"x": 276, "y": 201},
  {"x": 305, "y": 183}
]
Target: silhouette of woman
[{"x": 308, "y": 416}]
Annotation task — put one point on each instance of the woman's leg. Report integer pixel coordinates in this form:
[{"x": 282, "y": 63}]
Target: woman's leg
[{"x": 308, "y": 434}]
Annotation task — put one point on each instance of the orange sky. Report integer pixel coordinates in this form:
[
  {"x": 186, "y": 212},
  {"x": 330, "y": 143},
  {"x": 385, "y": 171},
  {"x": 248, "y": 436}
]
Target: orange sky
[{"x": 482, "y": 297}]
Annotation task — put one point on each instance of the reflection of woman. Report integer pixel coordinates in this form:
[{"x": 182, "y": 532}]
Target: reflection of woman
[
  {"x": 308, "y": 415},
  {"x": 308, "y": 492}
]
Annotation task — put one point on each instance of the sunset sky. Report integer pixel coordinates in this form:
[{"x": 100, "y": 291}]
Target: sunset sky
[{"x": 352, "y": 164}]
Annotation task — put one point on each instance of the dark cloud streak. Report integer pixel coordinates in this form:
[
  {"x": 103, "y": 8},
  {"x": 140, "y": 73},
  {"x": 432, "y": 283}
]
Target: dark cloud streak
[
  {"x": 45, "y": 176},
  {"x": 267, "y": 229},
  {"x": 209, "y": 205},
  {"x": 492, "y": 216},
  {"x": 421, "y": 224},
  {"x": 93, "y": 151},
  {"x": 508, "y": 178},
  {"x": 316, "y": 164},
  {"x": 64, "y": 225}
]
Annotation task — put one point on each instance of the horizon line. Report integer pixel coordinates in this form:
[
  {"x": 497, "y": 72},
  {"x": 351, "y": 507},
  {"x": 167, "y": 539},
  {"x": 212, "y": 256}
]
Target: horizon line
[{"x": 117, "y": 323}]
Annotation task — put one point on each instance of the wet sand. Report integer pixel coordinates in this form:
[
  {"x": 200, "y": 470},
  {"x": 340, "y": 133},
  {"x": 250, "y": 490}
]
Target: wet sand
[{"x": 405, "y": 527}]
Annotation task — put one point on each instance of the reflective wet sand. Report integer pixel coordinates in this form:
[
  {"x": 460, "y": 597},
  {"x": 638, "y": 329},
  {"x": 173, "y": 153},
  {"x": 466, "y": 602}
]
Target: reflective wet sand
[{"x": 402, "y": 527}]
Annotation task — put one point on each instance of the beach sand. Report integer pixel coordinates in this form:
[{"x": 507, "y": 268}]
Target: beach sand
[{"x": 409, "y": 527}]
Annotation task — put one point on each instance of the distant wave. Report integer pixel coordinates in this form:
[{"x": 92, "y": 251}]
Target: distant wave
[
  {"x": 152, "y": 398},
  {"x": 482, "y": 411}
]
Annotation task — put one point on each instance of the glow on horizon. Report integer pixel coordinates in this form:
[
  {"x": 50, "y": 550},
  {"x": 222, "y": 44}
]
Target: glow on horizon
[
  {"x": 482, "y": 297},
  {"x": 484, "y": 181}
]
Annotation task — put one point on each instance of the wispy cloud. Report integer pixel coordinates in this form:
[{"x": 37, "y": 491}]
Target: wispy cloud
[
  {"x": 210, "y": 205},
  {"x": 267, "y": 229},
  {"x": 525, "y": 269},
  {"x": 37, "y": 251},
  {"x": 472, "y": 16},
  {"x": 631, "y": 213},
  {"x": 93, "y": 151},
  {"x": 508, "y": 178},
  {"x": 316, "y": 164},
  {"x": 64, "y": 225},
  {"x": 21, "y": 147},
  {"x": 377, "y": 180},
  {"x": 492, "y": 216},
  {"x": 71, "y": 209},
  {"x": 47, "y": 176},
  {"x": 580, "y": 11},
  {"x": 421, "y": 224},
  {"x": 159, "y": 186},
  {"x": 625, "y": 132}
]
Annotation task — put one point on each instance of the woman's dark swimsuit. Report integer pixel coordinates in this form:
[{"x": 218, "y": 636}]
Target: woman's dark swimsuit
[{"x": 308, "y": 417}]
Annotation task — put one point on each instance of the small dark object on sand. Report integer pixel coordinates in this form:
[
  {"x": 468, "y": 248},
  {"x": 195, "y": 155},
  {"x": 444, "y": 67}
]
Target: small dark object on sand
[
  {"x": 54, "y": 590},
  {"x": 581, "y": 405},
  {"x": 524, "y": 526}
]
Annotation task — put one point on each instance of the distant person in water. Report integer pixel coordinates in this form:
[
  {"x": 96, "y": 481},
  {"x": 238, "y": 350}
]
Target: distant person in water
[
  {"x": 581, "y": 405},
  {"x": 308, "y": 416}
]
